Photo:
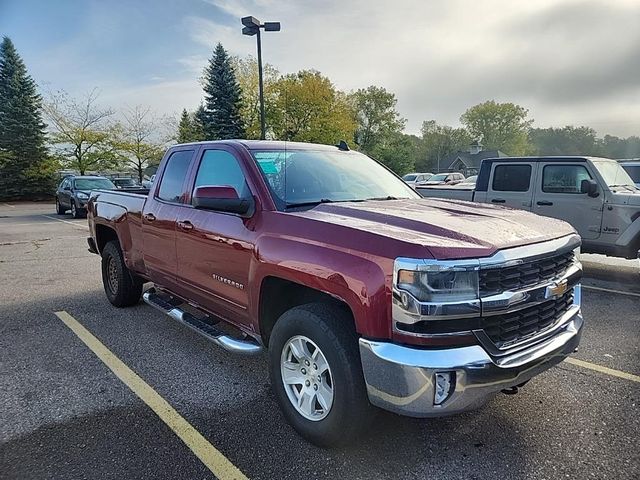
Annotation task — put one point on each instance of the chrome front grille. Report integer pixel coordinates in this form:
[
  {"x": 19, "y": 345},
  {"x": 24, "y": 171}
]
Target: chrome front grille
[
  {"x": 494, "y": 280},
  {"x": 515, "y": 326}
]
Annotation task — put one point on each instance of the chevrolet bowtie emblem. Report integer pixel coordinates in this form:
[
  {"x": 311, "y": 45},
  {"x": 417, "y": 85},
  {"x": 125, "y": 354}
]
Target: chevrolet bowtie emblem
[{"x": 557, "y": 289}]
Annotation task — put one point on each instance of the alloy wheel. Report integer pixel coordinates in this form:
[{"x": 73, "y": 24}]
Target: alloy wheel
[{"x": 307, "y": 378}]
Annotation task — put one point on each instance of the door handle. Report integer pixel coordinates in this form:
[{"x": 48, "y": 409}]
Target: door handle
[
  {"x": 185, "y": 225},
  {"x": 498, "y": 200},
  {"x": 149, "y": 217},
  {"x": 544, "y": 203}
]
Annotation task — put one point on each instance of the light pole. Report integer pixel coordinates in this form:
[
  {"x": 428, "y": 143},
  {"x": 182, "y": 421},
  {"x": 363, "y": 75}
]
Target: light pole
[{"x": 252, "y": 27}]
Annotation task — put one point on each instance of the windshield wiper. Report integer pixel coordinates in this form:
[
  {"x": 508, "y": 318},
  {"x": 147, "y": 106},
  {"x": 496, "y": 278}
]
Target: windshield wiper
[
  {"x": 624, "y": 185},
  {"x": 307, "y": 204},
  {"x": 388, "y": 197}
]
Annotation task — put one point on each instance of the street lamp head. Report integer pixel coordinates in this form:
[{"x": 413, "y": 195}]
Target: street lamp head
[
  {"x": 271, "y": 26},
  {"x": 251, "y": 22},
  {"x": 250, "y": 31}
]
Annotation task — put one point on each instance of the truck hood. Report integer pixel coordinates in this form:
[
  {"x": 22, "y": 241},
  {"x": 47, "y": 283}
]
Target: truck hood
[{"x": 446, "y": 228}]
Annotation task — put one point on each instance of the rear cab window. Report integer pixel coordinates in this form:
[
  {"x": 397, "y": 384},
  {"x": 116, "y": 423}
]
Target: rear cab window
[
  {"x": 511, "y": 178},
  {"x": 173, "y": 178}
]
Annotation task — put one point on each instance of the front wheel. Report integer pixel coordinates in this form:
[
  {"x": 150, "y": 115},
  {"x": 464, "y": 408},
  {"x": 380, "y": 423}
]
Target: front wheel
[
  {"x": 75, "y": 213},
  {"x": 122, "y": 287},
  {"x": 315, "y": 370}
]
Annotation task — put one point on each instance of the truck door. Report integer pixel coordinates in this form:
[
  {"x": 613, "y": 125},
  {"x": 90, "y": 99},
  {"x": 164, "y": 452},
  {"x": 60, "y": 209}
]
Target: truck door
[
  {"x": 511, "y": 184},
  {"x": 215, "y": 248},
  {"x": 557, "y": 195},
  {"x": 159, "y": 218}
]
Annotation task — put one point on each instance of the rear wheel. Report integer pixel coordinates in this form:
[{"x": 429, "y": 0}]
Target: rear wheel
[
  {"x": 59, "y": 209},
  {"x": 315, "y": 370},
  {"x": 122, "y": 287}
]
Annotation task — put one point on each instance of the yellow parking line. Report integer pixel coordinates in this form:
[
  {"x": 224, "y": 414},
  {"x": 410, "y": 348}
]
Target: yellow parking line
[
  {"x": 213, "y": 459},
  {"x": 601, "y": 369}
]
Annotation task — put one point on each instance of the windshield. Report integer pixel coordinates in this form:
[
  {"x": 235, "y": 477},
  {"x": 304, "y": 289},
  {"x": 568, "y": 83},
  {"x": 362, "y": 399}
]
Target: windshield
[
  {"x": 410, "y": 177},
  {"x": 93, "y": 184},
  {"x": 124, "y": 181},
  {"x": 439, "y": 177},
  {"x": 308, "y": 176},
  {"x": 613, "y": 174}
]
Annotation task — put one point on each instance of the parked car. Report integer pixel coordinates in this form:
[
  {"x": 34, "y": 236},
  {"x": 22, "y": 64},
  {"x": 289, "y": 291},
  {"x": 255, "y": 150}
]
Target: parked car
[
  {"x": 595, "y": 195},
  {"x": 416, "y": 179},
  {"x": 148, "y": 183},
  {"x": 125, "y": 183},
  {"x": 468, "y": 182},
  {"x": 73, "y": 193},
  {"x": 633, "y": 169},
  {"x": 363, "y": 292},
  {"x": 445, "y": 179}
]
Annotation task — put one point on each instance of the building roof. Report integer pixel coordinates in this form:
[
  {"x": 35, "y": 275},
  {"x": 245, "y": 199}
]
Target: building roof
[{"x": 471, "y": 160}]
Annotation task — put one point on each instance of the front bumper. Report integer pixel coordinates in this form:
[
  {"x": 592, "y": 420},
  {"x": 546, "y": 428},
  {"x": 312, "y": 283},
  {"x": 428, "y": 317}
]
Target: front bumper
[{"x": 401, "y": 378}]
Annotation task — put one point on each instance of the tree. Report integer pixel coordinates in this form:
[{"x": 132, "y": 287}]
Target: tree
[
  {"x": 82, "y": 131},
  {"x": 25, "y": 167},
  {"x": 397, "y": 151},
  {"x": 500, "y": 126},
  {"x": 246, "y": 70},
  {"x": 438, "y": 141},
  {"x": 190, "y": 128},
  {"x": 565, "y": 141},
  {"x": 376, "y": 116},
  {"x": 308, "y": 108},
  {"x": 137, "y": 144},
  {"x": 222, "y": 98}
]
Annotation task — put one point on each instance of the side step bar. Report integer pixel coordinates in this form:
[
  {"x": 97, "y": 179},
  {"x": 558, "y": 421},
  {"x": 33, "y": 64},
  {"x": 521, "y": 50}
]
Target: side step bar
[{"x": 245, "y": 346}]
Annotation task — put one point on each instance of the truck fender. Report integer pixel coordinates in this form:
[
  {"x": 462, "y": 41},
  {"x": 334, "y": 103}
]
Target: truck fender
[{"x": 357, "y": 281}]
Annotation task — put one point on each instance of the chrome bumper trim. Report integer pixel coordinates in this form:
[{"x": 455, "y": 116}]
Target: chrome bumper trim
[{"x": 401, "y": 378}]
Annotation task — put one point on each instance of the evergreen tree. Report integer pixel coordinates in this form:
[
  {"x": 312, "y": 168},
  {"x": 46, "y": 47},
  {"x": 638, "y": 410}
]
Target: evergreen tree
[
  {"x": 222, "y": 98},
  {"x": 199, "y": 121},
  {"x": 185, "y": 128},
  {"x": 25, "y": 168}
]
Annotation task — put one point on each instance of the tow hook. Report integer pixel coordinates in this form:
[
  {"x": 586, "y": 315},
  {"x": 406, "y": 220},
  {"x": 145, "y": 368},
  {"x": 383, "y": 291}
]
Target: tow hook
[{"x": 510, "y": 390}]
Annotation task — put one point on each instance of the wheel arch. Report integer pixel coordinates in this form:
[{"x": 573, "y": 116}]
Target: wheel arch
[{"x": 278, "y": 295}]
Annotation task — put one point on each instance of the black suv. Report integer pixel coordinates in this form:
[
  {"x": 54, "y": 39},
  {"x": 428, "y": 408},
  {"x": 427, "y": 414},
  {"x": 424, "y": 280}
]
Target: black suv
[{"x": 73, "y": 193}]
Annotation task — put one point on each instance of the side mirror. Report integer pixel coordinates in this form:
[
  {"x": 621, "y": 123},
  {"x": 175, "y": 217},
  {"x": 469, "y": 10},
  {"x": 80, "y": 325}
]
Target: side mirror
[
  {"x": 222, "y": 199},
  {"x": 590, "y": 187},
  {"x": 67, "y": 187}
]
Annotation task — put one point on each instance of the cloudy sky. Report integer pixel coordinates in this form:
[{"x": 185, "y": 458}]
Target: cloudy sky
[{"x": 567, "y": 61}]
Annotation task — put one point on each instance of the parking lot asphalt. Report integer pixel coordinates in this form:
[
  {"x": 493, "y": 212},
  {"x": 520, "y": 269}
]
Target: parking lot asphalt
[{"x": 64, "y": 414}]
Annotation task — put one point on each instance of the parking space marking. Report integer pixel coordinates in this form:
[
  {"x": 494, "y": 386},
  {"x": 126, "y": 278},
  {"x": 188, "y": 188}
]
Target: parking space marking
[
  {"x": 601, "y": 369},
  {"x": 66, "y": 221},
  {"x": 620, "y": 292},
  {"x": 212, "y": 458}
]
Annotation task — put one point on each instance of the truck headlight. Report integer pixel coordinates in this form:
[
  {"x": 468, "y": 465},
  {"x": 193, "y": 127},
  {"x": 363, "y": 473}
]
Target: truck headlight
[{"x": 439, "y": 284}]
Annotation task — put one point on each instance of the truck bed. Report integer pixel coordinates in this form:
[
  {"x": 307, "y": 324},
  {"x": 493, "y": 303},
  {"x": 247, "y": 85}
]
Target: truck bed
[{"x": 447, "y": 192}]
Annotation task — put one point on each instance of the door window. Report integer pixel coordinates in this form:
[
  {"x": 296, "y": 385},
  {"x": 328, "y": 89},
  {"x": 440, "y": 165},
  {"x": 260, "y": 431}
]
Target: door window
[
  {"x": 173, "y": 177},
  {"x": 563, "y": 178},
  {"x": 220, "y": 168},
  {"x": 511, "y": 178}
]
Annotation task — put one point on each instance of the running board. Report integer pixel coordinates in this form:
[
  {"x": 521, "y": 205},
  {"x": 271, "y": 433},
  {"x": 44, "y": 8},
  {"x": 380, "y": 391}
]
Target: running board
[{"x": 243, "y": 346}]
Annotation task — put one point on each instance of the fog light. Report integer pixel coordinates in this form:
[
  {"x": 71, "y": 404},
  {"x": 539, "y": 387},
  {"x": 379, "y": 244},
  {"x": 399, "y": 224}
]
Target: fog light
[{"x": 445, "y": 383}]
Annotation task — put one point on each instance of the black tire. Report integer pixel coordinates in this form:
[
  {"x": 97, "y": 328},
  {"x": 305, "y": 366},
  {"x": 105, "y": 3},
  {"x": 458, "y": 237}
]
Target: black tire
[
  {"x": 122, "y": 287},
  {"x": 59, "y": 209},
  {"x": 331, "y": 328},
  {"x": 74, "y": 210}
]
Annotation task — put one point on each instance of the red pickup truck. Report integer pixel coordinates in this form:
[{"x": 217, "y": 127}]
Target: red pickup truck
[{"x": 364, "y": 293}]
